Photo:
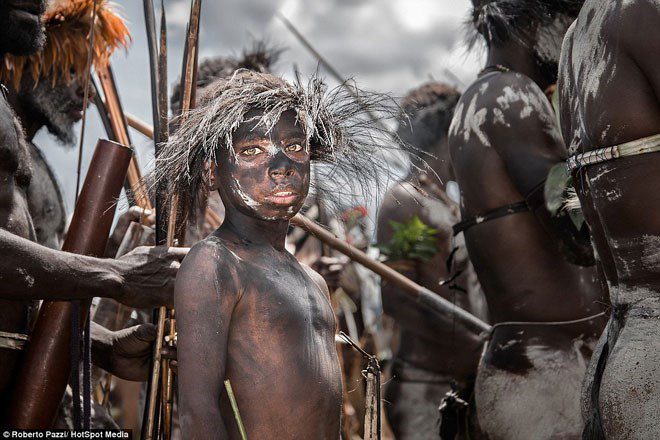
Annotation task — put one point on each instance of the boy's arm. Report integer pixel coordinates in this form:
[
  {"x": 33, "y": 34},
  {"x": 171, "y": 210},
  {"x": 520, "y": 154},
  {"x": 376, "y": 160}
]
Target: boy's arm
[{"x": 204, "y": 306}]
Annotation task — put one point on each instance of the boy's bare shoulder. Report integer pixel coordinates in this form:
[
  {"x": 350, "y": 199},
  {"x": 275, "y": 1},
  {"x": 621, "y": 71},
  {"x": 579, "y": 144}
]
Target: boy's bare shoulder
[
  {"x": 210, "y": 261},
  {"x": 212, "y": 249}
]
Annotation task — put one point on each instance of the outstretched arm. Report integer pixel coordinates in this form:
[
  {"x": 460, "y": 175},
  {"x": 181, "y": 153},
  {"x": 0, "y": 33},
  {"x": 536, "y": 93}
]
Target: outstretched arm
[
  {"x": 204, "y": 307},
  {"x": 142, "y": 278}
]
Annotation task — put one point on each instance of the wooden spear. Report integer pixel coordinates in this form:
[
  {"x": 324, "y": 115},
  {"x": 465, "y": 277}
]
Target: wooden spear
[
  {"x": 120, "y": 130},
  {"x": 158, "y": 66},
  {"x": 161, "y": 370}
]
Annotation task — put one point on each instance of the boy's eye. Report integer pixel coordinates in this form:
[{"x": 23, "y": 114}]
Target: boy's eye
[
  {"x": 252, "y": 151},
  {"x": 294, "y": 148}
]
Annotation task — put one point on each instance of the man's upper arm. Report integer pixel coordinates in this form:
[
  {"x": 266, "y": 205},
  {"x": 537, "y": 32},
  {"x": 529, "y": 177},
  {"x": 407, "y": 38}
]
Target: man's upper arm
[
  {"x": 639, "y": 28},
  {"x": 204, "y": 303},
  {"x": 524, "y": 131}
]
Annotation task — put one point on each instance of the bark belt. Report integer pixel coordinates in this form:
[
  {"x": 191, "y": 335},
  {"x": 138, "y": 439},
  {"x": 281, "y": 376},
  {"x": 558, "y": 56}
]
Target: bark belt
[{"x": 513, "y": 208}]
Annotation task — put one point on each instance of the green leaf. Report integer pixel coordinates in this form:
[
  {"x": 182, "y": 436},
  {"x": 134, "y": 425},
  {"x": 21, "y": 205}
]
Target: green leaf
[{"x": 414, "y": 240}]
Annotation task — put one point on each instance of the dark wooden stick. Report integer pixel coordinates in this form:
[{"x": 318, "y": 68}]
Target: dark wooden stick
[{"x": 420, "y": 293}]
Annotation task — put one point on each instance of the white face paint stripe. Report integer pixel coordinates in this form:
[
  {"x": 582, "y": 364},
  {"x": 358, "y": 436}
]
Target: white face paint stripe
[{"x": 247, "y": 199}]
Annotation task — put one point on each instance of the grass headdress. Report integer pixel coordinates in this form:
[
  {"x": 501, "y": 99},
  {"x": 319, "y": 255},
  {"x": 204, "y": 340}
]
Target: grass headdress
[{"x": 345, "y": 143}]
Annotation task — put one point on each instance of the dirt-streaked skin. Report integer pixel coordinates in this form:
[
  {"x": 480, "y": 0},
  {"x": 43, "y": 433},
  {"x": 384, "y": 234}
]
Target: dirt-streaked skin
[
  {"x": 609, "y": 88},
  {"x": 247, "y": 311},
  {"x": 503, "y": 141}
]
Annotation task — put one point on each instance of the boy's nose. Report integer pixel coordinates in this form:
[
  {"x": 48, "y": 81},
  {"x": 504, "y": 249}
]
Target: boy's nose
[
  {"x": 281, "y": 173},
  {"x": 281, "y": 167}
]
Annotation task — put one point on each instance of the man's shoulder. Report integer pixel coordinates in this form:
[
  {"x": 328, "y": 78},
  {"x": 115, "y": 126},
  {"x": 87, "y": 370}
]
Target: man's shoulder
[
  {"x": 497, "y": 103},
  {"x": 13, "y": 149},
  {"x": 316, "y": 278}
]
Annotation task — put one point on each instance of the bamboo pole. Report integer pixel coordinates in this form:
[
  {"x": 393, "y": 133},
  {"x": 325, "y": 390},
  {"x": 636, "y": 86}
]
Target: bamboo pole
[{"x": 419, "y": 293}]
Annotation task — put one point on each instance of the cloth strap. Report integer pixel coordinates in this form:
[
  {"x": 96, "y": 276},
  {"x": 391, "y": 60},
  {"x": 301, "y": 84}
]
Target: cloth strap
[
  {"x": 645, "y": 145},
  {"x": 13, "y": 341},
  {"x": 493, "y": 214}
]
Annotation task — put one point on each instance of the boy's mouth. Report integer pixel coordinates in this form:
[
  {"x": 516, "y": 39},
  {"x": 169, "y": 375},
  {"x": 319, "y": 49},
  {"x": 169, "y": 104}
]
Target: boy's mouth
[{"x": 283, "y": 197}]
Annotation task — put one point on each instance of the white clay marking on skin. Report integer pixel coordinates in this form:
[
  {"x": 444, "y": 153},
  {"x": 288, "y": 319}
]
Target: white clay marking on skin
[
  {"x": 29, "y": 279},
  {"x": 247, "y": 199},
  {"x": 499, "y": 117},
  {"x": 532, "y": 102},
  {"x": 457, "y": 120},
  {"x": 613, "y": 194},
  {"x": 483, "y": 88},
  {"x": 602, "y": 173},
  {"x": 651, "y": 252},
  {"x": 474, "y": 119}
]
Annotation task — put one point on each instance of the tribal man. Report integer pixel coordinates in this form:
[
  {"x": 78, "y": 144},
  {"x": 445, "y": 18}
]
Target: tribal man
[
  {"x": 610, "y": 117},
  {"x": 504, "y": 140},
  {"x": 247, "y": 311},
  {"x": 46, "y": 89},
  {"x": 431, "y": 355},
  {"x": 143, "y": 278}
]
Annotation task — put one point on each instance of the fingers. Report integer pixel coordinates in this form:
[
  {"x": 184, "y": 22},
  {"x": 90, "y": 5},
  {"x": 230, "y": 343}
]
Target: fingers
[
  {"x": 141, "y": 215},
  {"x": 146, "y": 332},
  {"x": 178, "y": 252}
]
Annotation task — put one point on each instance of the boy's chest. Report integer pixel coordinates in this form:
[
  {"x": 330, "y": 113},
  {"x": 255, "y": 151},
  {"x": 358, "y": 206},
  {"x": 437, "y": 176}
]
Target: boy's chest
[{"x": 283, "y": 295}]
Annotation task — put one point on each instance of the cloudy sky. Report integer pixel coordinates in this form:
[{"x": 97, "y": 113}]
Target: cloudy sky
[{"x": 386, "y": 45}]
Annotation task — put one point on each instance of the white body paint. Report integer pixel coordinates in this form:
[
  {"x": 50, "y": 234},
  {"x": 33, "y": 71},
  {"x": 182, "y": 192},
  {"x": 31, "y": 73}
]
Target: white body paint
[{"x": 543, "y": 403}]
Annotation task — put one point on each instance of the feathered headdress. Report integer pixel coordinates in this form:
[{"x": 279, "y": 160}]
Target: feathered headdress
[
  {"x": 345, "y": 143},
  {"x": 65, "y": 53},
  {"x": 499, "y": 20}
]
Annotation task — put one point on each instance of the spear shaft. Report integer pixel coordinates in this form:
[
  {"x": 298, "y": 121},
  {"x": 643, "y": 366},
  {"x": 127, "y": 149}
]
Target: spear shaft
[{"x": 327, "y": 66}]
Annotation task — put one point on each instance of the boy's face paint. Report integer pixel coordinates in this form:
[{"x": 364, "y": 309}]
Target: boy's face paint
[{"x": 267, "y": 176}]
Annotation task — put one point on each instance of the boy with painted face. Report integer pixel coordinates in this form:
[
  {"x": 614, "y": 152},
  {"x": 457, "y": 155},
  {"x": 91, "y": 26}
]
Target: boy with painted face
[
  {"x": 247, "y": 311},
  {"x": 504, "y": 140}
]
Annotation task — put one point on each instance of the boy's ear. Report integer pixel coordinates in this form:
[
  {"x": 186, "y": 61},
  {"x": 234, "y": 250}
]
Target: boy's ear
[{"x": 211, "y": 166}]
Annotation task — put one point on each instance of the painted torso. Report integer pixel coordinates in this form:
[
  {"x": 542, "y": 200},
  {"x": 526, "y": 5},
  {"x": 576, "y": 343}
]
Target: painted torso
[
  {"x": 45, "y": 202},
  {"x": 608, "y": 96},
  {"x": 15, "y": 175},
  {"x": 282, "y": 361},
  {"x": 606, "y": 100},
  {"x": 523, "y": 274}
]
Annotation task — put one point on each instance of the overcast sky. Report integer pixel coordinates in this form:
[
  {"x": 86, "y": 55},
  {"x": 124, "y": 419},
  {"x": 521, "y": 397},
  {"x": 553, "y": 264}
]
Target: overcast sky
[{"x": 386, "y": 45}]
